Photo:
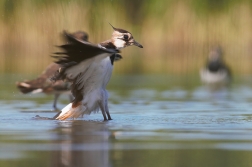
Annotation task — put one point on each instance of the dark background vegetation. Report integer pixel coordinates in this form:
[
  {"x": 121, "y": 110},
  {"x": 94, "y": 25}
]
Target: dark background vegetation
[{"x": 176, "y": 34}]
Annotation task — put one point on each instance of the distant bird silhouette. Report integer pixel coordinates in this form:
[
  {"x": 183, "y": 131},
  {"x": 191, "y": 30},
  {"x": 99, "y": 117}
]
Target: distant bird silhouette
[
  {"x": 216, "y": 72},
  {"x": 43, "y": 82}
]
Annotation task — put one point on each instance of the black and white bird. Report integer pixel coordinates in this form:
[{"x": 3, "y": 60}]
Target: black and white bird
[
  {"x": 89, "y": 68},
  {"x": 216, "y": 72},
  {"x": 43, "y": 83}
]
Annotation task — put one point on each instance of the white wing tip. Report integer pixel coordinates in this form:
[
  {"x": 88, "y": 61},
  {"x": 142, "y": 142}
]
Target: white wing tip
[{"x": 37, "y": 90}]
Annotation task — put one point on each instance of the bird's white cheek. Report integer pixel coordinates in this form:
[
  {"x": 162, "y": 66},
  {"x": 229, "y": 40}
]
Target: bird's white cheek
[{"x": 119, "y": 44}]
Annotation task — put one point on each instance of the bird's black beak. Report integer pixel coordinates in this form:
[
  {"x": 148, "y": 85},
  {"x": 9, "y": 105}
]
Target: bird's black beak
[{"x": 137, "y": 44}]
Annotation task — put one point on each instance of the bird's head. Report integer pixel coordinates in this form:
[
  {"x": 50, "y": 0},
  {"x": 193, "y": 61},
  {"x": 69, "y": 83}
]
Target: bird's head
[
  {"x": 215, "y": 54},
  {"x": 122, "y": 38}
]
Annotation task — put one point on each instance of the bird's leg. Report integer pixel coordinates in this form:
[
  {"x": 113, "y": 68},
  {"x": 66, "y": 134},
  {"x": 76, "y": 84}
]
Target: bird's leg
[
  {"x": 107, "y": 110},
  {"x": 109, "y": 117},
  {"x": 102, "y": 107},
  {"x": 56, "y": 115},
  {"x": 56, "y": 96},
  {"x": 104, "y": 116}
]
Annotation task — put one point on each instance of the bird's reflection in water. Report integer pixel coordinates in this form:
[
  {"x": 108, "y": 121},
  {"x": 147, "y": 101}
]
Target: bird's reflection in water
[{"x": 82, "y": 143}]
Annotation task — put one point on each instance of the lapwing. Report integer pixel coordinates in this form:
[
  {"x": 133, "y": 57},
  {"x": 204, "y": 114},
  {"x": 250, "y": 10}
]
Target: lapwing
[
  {"x": 89, "y": 67},
  {"x": 216, "y": 72}
]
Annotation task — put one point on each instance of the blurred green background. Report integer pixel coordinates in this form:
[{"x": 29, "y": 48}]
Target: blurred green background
[{"x": 176, "y": 34}]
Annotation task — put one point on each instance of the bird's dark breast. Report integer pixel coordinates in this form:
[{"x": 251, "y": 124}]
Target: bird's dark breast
[
  {"x": 215, "y": 66},
  {"x": 115, "y": 57},
  {"x": 112, "y": 59}
]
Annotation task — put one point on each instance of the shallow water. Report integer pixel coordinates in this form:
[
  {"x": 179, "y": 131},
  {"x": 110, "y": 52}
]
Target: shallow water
[{"x": 157, "y": 121}]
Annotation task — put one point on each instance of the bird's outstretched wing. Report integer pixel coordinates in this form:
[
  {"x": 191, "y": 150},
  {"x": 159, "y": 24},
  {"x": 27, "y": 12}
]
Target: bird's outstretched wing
[{"x": 74, "y": 52}]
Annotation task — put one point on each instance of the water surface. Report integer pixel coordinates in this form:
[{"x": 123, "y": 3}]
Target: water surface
[{"x": 157, "y": 121}]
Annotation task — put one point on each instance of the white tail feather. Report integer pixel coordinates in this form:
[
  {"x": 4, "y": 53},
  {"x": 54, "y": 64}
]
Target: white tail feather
[{"x": 69, "y": 112}]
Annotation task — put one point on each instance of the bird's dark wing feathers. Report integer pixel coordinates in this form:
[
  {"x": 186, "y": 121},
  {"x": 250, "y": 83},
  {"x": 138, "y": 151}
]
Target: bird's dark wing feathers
[
  {"x": 74, "y": 52},
  {"x": 77, "y": 50}
]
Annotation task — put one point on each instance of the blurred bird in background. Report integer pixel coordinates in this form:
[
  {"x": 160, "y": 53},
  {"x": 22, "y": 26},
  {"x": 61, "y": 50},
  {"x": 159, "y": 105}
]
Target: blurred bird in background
[
  {"x": 43, "y": 82},
  {"x": 216, "y": 74}
]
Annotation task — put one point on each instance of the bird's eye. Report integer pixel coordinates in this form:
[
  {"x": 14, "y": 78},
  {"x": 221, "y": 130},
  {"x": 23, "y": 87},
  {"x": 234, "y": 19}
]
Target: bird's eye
[{"x": 125, "y": 37}]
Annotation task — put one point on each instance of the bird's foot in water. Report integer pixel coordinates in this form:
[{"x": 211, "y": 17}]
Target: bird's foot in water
[{"x": 37, "y": 117}]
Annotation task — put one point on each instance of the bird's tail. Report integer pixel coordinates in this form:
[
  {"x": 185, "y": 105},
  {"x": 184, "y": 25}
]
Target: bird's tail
[
  {"x": 71, "y": 111},
  {"x": 27, "y": 87}
]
